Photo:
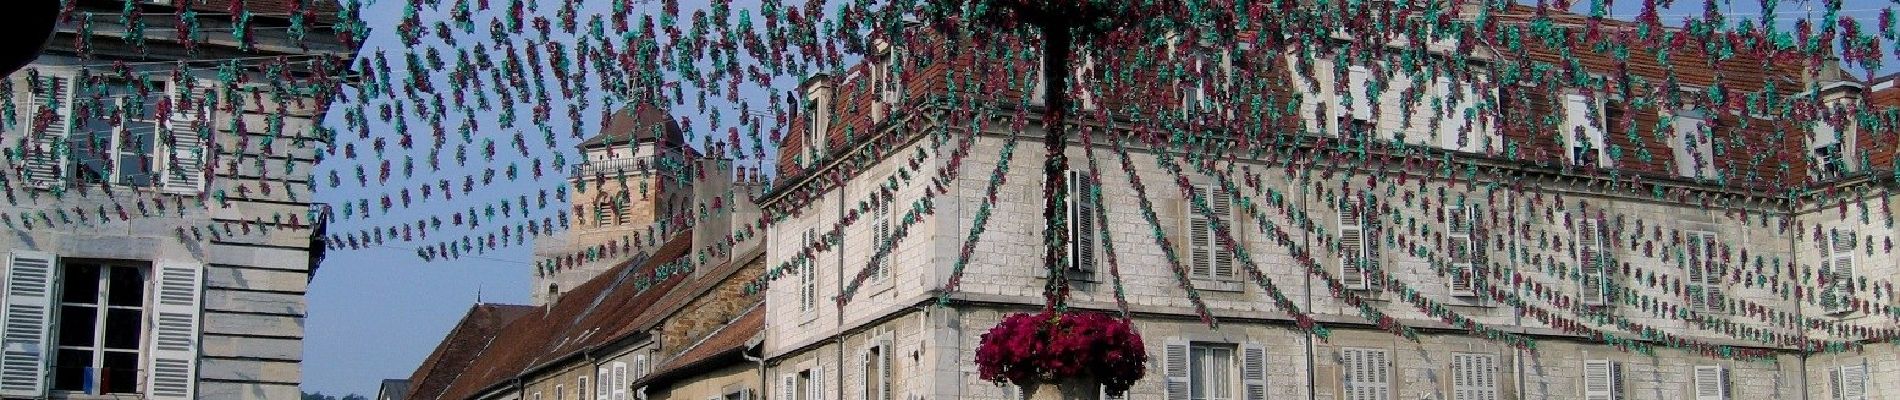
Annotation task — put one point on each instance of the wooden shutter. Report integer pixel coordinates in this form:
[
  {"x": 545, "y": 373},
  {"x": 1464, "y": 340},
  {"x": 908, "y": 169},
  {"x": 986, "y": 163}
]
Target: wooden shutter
[
  {"x": 1582, "y": 131},
  {"x": 1463, "y": 277},
  {"x": 862, "y": 385},
  {"x": 605, "y": 382},
  {"x": 1081, "y": 223},
  {"x": 1223, "y": 208},
  {"x": 788, "y": 386},
  {"x": 639, "y": 366},
  {"x": 30, "y": 277},
  {"x": 1200, "y": 241},
  {"x": 47, "y": 158},
  {"x": 1600, "y": 380},
  {"x": 883, "y": 237},
  {"x": 172, "y": 364},
  {"x": 1711, "y": 383},
  {"x": 1591, "y": 286},
  {"x": 1352, "y": 246},
  {"x": 1851, "y": 383},
  {"x": 1367, "y": 374},
  {"x": 884, "y": 369},
  {"x": 1474, "y": 376},
  {"x": 1253, "y": 371},
  {"x": 619, "y": 381},
  {"x": 1705, "y": 278},
  {"x": 1834, "y": 298},
  {"x": 816, "y": 389},
  {"x": 1176, "y": 358},
  {"x": 182, "y": 161}
]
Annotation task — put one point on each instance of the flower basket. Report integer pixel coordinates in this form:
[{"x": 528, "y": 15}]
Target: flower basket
[{"x": 1073, "y": 352}]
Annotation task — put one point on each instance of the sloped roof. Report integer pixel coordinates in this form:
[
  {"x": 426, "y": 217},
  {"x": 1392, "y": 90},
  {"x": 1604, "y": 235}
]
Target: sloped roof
[
  {"x": 723, "y": 345},
  {"x": 643, "y": 122},
  {"x": 593, "y": 314},
  {"x": 461, "y": 346}
]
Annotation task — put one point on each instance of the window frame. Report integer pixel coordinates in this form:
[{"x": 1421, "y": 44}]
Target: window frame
[
  {"x": 808, "y": 278},
  {"x": 1355, "y": 253},
  {"x": 101, "y": 311},
  {"x": 1464, "y": 263},
  {"x": 1592, "y": 268},
  {"x": 1199, "y": 359},
  {"x": 1378, "y": 385},
  {"x": 1593, "y": 125},
  {"x": 1611, "y": 389},
  {"x": 1704, "y": 280},
  {"x": 114, "y": 155},
  {"x": 1840, "y": 247},
  {"x": 1694, "y": 144},
  {"x": 1200, "y": 228}
]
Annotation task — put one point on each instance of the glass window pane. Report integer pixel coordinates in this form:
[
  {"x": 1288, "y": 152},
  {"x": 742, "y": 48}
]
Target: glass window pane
[
  {"x": 1197, "y": 372},
  {"x": 121, "y": 373},
  {"x": 1220, "y": 373},
  {"x": 69, "y": 369},
  {"x": 123, "y": 328},
  {"x": 76, "y": 325},
  {"x": 126, "y": 287},
  {"x": 79, "y": 283}
]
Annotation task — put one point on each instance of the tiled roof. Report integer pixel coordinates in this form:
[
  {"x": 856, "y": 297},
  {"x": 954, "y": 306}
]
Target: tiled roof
[
  {"x": 641, "y": 122},
  {"x": 724, "y": 344},
  {"x": 462, "y": 345},
  {"x": 593, "y": 314}
]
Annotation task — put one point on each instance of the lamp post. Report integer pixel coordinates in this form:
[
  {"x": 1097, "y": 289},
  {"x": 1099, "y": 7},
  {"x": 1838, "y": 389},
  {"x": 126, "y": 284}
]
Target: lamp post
[{"x": 28, "y": 26}]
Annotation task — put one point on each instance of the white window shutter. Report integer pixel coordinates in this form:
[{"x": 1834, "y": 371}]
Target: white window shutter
[
  {"x": 1222, "y": 206},
  {"x": 1176, "y": 362},
  {"x": 1253, "y": 371},
  {"x": 817, "y": 389},
  {"x": 1853, "y": 383},
  {"x": 862, "y": 385},
  {"x": 1600, "y": 380},
  {"x": 1474, "y": 376},
  {"x": 884, "y": 236},
  {"x": 1836, "y": 296},
  {"x": 639, "y": 366},
  {"x": 1081, "y": 223},
  {"x": 1705, "y": 276},
  {"x": 182, "y": 160},
  {"x": 1200, "y": 239},
  {"x": 1352, "y": 246},
  {"x": 172, "y": 364},
  {"x": 1583, "y": 131},
  {"x": 604, "y": 384},
  {"x": 619, "y": 380},
  {"x": 884, "y": 389},
  {"x": 1463, "y": 280},
  {"x": 29, "y": 307},
  {"x": 788, "y": 386},
  {"x": 1711, "y": 383},
  {"x": 47, "y": 162},
  {"x": 1591, "y": 288}
]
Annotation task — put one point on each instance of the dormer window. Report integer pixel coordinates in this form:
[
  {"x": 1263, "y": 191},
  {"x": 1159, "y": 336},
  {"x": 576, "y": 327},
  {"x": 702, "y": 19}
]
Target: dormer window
[
  {"x": 1080, "y": 75},
  {"x": 1458, "y": 127},
  {"x": 1583, "y": 130},
  {"x": 1694, "y": 145},
  {"x": 886, "y": 71},
  {"x": 1829, "y": 149}
]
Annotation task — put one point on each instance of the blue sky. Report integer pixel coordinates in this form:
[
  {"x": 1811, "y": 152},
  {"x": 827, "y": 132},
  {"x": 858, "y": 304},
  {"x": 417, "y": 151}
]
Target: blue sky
[{"x": 374, "y": 313}]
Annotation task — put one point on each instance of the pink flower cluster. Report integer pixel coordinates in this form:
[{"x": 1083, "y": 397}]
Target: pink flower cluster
[{"x": 1052, "y": 347}]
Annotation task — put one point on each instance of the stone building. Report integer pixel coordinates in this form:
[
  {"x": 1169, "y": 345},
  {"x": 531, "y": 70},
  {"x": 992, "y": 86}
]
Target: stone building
[
  {"x": 1527, "y": 211},
  {"x": 158, "y": 199}
]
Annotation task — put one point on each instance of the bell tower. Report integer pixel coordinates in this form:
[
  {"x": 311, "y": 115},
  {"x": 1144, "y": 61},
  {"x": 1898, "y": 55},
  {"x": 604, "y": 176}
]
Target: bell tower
[{"x": 632, "y": 177}]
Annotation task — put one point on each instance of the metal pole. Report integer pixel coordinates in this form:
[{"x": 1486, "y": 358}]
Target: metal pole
[{"x": 1056, "y": 42}]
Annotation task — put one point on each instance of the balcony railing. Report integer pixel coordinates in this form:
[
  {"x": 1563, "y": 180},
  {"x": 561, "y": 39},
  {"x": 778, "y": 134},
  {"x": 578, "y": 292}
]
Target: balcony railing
[{"x": 616, "y": 167}]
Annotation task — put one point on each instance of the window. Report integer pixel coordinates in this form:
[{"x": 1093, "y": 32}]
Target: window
[
  {"x": 1593, "y": 286},
  {"x": 1711, "y": 382},
  {"x": 101, "y": 326},
  {"x": 537, "y": 396},
  {"x": 1208, "y": 259},
  {"x": 1084, "y": 74},
  {"x": 1583, "y": 130},
  {"x": 1829, "y": 150},
  {"x": 623, "y": 209},
  {"x": 580, "y": 388},
  {"x": 1706, "y": 274},
  {"x": 639, "y": 366},
  {"x": 809, "y": 382},
  {"x": 1474, "y": 376},
  {"x": 1356, "y": 259},
  {"x": 1081, "y": 224},
  {"x": 1467, "y": 250},
  {"x": 1694, "y": 145},
  {"x": 603, "y": 214},
  {"x": 881, "y": 237},
  {"x": 1457, "y": 128},
  {"x": 876, "y": 373},
  {"x": 1356, "y": 107},
  {"x": 120, "y": 139},
  {"x": 1838, "y": 267},
  {"x": 1211, "y": 371},
  {"x": 1602, "y": 380},
  {"x": 808, "y": 276},
  {"x": 1366, "y": 373},
  {"x": 885, "y": 73},
  {"x": 1848, "y": 381},
  {"x": 605, "y": 382},
  {"x": 619, "y": 389}
]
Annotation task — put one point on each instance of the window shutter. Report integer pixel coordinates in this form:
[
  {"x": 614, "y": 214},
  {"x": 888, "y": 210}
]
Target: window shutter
[
  {"x": 1711, "y": 382},
  {"x": 1599, "y": 380},
  {"x": 1253, "y": 371},
  {"x": 183, "y": 158},
  {"x": 619, "y": 381},
  {"x": 1853, "y": 383},
  {"x": 1835, "y": 297},
  {"x": 862, "y": 385},
  {"x": 1592, "y": 289},
  {"x": 47, "y": 160},
  {"x": 605, "y": 382},
  {"x": 883, "y": 237},
  {"x": 1223, "y": 208},
  {"x": 1705, "y": 279},
  {"x": 1474, "y": 376},
  {"x": 639, "y": 366},
  {"x": 1462, "y": 281},
  {"x": 29, "y": 307},
  {"x": 1176, "y": 357},
  {"x": 816, "y": 390},
  {"x": 884, "y": 351},
  {"x": 1381, "y": 374},
  {"x": 1081, "y": 223},
  {"x": 1200, "y": 239},
  {"x": 1583, "y": 131},
  {"x": 1352, "y": 254},
  {"x": 1366, "y": 374},
  {"x": 172, "y": 369},
  {"x": 788, "y": 386}
]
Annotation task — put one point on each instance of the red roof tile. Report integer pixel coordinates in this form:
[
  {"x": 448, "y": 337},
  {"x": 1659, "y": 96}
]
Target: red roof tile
[{"x": 463, "y": 344}]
